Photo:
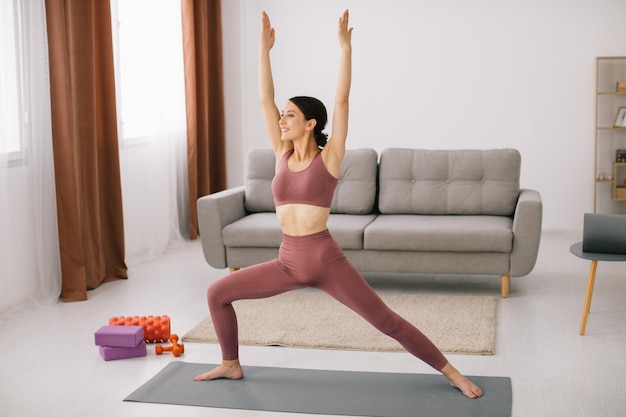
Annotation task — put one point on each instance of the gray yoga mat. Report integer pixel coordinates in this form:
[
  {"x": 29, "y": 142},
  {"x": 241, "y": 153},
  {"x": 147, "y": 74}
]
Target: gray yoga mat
[{"x": 326, "y": 392}]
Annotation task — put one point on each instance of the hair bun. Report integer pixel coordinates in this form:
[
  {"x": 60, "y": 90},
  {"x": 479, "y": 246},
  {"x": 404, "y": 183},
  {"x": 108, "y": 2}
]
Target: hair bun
[{"x": 320, "y": 138}]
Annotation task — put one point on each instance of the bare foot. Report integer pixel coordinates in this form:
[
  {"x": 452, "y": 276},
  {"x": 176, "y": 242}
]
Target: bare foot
[
  {"x": 227, "y": 370},
  {"x": 467, "y": 387}
]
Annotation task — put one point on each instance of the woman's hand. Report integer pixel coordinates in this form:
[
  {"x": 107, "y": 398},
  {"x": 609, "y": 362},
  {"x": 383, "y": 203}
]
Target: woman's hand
[
  {"x": 345, "y": 34},
  {"x": 267, "y": 33}
]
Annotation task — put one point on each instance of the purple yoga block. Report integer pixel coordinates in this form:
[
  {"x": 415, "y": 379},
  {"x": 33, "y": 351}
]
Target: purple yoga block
[
  {"x": 109, "y": 353},
  {"x": 119, "y": 336}
]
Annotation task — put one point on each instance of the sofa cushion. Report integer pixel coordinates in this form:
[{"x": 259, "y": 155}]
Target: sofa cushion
[
  {"x": 440, "y": 233},
  {"x": 348, "y": 230},
  {"x": 254, "y": 230},
  {"x": 415, "y": 181},
  {"x": 262, "y": 230},
  {"x": 355, "y": 192}
]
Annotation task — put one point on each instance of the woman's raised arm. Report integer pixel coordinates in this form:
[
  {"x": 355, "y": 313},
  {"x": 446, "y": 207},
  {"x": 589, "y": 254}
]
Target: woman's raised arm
[
  {"x": 271, "y": 115},
  {"x": 337, "y": 142}
]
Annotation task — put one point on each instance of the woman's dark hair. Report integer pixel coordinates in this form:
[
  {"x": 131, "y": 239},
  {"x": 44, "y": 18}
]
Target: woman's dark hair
[{"x": 313, "y": 109}]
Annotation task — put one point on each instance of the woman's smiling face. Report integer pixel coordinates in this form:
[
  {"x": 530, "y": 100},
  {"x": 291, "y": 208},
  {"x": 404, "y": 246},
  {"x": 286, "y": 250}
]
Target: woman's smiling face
[{"x": 293, "y": 124}]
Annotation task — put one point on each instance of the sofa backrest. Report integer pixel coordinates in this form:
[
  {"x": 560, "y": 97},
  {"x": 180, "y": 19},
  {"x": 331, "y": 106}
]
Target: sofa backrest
[
  {"x": 355, "y": 192},
  {"x": 416, "y": 181},
  {"x": 260, "y": 166}
]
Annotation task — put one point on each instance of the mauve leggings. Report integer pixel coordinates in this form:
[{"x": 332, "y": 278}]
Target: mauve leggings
[{"x": 311, "y": 261}]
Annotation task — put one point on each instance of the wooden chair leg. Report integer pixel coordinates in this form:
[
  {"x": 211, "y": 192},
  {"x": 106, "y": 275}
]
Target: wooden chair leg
[
  {"x": 592, "y": 278},
  {"x": 506, "y": 280}
]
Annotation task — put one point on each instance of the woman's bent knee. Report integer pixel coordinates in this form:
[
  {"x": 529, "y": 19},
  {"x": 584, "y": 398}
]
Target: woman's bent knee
[{"x": 214, "y": 294}]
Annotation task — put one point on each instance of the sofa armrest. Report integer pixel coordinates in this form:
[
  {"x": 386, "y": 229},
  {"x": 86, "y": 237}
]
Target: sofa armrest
[
  {"x": 215, "y": 211},
  {"x": 526, "y": 232}
]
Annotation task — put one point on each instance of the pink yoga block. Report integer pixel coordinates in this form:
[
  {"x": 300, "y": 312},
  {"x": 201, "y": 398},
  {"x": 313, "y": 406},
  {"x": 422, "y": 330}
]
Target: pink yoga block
[
  {"x": 109, "y": 353},
  {"x": 119, "y": 336}
]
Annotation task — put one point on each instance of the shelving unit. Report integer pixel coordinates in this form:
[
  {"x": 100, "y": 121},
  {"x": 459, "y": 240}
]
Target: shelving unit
[{"x": 610, "y": 173}]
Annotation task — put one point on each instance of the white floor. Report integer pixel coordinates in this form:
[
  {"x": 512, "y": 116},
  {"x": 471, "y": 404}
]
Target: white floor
[{"x": 49, "y": 365}]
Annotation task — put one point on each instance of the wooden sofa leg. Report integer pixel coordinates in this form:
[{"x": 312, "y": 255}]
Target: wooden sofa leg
[
  {"x": 234, "y": 269},
  {"x": 505, "y": 285}
]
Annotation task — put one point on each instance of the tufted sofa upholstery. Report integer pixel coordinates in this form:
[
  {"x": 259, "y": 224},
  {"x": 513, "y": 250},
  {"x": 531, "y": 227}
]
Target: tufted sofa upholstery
[{"x": 409, "y": 211}]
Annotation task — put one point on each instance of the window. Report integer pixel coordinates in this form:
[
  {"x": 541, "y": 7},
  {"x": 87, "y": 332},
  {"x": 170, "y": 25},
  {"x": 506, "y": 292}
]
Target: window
[
  {"x": 147, "y": 40},
  {"x": 12, "y": 116}
]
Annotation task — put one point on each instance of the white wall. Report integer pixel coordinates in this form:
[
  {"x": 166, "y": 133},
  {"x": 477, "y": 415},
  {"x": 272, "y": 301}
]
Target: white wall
[
  {"x": 440, "y": 75},
  {"x": 232, "y": 56}
]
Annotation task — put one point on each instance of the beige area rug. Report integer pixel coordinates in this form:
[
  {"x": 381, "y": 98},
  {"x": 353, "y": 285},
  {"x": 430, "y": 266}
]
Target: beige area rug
[{"x": 312, "y": 319}]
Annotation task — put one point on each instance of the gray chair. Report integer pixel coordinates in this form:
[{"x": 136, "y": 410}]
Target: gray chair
[{"x": 604, "y": 239}]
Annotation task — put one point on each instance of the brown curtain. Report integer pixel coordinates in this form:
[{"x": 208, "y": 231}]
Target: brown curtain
[
  {"x": 202, "y": 48},
  {"x": 85, "y": 146}
]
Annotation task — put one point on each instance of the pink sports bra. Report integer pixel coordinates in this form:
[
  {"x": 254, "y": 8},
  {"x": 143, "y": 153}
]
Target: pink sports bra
[{"x": 313, "y": 185}]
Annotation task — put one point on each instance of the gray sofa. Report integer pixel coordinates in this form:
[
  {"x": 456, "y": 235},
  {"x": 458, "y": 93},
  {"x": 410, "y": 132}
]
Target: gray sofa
[{"x": 411, "y": 211}]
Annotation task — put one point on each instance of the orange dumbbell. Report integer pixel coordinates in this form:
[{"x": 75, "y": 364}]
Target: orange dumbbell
[{"x": 176, "y": 348}]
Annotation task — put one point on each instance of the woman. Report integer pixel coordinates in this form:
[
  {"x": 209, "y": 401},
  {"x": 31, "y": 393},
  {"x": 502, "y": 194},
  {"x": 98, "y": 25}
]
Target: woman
[{"x": 303, "y": 188}]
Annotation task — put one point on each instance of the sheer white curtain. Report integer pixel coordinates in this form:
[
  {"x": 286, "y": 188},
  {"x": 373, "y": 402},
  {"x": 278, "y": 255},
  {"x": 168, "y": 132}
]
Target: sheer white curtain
[
  {"x": 29, "y": 254},
  {"x": 153, "y": 131}
]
